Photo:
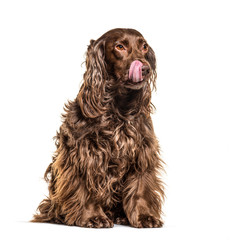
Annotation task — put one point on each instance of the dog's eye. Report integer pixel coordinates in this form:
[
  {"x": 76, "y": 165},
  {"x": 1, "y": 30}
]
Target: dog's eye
[
  {"x": 120, "y": 47},
  {"x": 145, "y": 47}
]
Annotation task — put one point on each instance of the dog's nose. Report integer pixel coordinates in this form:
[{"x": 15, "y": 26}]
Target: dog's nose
[{"x": 145, "y": 70}]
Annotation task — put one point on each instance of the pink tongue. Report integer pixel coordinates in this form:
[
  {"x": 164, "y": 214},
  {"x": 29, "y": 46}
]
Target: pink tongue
[{"x": 135, "y": 71}]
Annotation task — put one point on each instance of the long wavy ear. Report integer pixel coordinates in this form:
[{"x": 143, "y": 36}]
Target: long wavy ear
[
  {"x": 151, "y": 58},
  {"x": 92, "y": 91}
]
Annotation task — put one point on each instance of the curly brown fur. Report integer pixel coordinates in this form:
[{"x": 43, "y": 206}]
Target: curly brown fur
[{"x": 106, "y": 166}]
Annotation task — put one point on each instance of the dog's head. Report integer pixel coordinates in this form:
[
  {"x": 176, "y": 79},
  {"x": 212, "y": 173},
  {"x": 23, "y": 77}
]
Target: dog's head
[
  {"x": 121, "y": 55},
  {"x": 128, "y": 57}
]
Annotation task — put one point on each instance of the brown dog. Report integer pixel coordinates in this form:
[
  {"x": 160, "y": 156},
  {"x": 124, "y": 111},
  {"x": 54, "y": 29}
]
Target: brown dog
[{"x": 105, "y": 169}]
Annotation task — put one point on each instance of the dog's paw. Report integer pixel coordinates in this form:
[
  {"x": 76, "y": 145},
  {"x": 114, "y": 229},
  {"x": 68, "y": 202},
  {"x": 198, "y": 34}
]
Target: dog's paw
[
  {"x": 146, "y": 221},
  {"x": 121, "y": 221},
  {"x": 99, "y": 222}
]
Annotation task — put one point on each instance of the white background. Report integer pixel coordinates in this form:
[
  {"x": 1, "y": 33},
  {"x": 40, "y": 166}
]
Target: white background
[{"x": 42, "y": 46}]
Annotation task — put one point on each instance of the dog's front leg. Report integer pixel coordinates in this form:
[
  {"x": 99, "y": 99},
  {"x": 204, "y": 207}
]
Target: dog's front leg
[{"x": 142, "y": 199}]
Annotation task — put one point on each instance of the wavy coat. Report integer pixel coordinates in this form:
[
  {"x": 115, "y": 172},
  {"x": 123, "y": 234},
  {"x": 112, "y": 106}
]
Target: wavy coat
[{"x": 107, "y": 164}]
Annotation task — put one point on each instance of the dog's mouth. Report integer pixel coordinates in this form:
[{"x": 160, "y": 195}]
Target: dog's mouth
[
  {"x": 130, "y": 82},
  {"x": 137, "y": 74},
  {"x": 134, "y": 85}
]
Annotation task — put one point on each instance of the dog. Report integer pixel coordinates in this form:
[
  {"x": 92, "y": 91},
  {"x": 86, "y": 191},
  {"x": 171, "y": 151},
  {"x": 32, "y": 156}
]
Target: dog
[{"x": 106, "y": 169}]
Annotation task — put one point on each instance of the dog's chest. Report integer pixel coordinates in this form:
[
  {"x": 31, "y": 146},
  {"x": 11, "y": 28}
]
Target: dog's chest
[{"x": 126, "y": 141}]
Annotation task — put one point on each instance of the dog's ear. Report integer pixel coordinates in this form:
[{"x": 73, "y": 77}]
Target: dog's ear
[
  {"x": 92, "y": 91},
  {"x": 151, "y": 58}
]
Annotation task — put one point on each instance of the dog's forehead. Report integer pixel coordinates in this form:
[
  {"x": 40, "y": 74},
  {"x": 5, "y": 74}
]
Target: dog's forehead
[
  {"x": 124, "y": 38},
  {"x": 121, "y": 33}
]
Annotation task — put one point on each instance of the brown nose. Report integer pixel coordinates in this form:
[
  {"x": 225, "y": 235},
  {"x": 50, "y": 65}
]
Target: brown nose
[{"x": 145, "y": 70}]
